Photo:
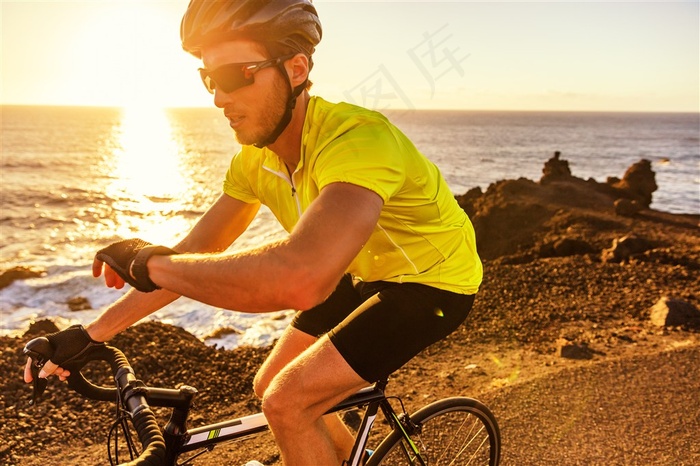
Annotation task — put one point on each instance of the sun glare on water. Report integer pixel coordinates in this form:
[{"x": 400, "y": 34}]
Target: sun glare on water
[
  {"x": 147, "y": 180},
  {"x": 147, "y": 163}
]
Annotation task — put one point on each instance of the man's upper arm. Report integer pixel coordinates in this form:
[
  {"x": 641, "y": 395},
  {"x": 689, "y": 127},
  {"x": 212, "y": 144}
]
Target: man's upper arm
[
  {"x": 334, "y": 229},
  {"x": 225, "y": 220}
]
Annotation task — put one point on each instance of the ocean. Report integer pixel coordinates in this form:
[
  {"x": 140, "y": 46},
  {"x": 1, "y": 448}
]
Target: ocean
[{"x": 74, "y": 180}]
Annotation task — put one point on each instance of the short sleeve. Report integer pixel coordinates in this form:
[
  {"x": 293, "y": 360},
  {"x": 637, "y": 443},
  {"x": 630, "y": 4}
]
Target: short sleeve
[
  {"x": 237, "y": 183},
  {"x": 367, "y": 156}
]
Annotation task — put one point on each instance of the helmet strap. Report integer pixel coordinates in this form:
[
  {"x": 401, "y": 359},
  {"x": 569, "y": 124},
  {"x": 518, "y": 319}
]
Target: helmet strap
[{"x": 287, "y": 116}]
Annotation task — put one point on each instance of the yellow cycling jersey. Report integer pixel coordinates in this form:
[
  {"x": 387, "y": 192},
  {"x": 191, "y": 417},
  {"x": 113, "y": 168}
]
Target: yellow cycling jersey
[{"x": 422, "y": 236}]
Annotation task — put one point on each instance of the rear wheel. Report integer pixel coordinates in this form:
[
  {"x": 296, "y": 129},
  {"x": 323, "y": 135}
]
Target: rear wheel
[{"x": 453, "y": 431}]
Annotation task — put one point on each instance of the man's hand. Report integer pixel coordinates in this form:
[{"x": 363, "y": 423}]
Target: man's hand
[
  {"x": 126, "y": 261},
  {"x": 66, "y": 345}
]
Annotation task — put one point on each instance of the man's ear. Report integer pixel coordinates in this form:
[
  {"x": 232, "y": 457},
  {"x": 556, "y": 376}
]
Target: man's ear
[{"x": 298, "y": 69}]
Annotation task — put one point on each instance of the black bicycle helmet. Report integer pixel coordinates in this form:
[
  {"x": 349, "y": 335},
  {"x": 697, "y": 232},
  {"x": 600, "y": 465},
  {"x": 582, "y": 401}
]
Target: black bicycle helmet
[{"x": 281, "y": 26}]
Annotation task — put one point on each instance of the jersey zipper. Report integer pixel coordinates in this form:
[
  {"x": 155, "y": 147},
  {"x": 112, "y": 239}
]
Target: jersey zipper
[
  {"x": 289, "y": 178},
  {"x": 294, "y": 194}
]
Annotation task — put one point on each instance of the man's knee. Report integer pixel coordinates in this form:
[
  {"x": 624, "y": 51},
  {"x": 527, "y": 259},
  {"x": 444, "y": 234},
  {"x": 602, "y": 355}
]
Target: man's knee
[
  {"x": 279, "y": 408},
  {"x": 260, "y": 384}
]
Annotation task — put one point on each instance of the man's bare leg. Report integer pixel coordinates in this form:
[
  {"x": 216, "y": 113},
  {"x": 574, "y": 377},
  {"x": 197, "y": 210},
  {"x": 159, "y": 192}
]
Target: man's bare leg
[
  {"x": 299, "y": 396},
  {"x": 343, "y": 439},
  {"x": 291, "y": 344}
]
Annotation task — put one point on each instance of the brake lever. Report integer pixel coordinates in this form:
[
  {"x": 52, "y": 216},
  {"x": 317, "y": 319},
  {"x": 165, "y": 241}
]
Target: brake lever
[
  {"x": 37, "y": 350},
  {"x": 38, "y": 386}
]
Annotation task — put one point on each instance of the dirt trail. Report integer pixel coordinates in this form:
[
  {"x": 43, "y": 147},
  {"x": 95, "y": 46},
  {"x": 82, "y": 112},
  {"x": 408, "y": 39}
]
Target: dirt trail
[{"x": 641, "y": 410}]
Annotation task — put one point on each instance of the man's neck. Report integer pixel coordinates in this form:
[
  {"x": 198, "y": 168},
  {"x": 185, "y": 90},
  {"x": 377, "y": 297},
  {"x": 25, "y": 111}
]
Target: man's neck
[{"x": 288, "y": 144}]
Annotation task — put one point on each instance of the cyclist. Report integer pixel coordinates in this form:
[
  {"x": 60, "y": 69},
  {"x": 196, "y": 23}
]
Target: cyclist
[{"x": 379, "y": 260}]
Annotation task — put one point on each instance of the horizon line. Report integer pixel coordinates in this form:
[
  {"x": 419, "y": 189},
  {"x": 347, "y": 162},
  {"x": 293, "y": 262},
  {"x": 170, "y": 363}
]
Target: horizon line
[{"x": 388, "y": 110}]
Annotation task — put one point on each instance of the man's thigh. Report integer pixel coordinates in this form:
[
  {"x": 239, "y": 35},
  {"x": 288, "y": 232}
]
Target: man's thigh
[
  {"x": 291, "y": 344},
  {"x": 312, "y": 383},
  {"x": 305, "y": 330}
]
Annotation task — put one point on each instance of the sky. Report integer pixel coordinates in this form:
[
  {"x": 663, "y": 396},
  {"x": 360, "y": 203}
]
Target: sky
[{"x": 556, "y": 55}]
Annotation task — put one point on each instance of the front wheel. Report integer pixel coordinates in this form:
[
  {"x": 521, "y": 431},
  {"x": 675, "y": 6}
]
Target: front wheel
[{"x": 453, "y": 431}]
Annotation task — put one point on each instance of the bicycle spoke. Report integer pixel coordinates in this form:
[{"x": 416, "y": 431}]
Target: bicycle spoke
[
  {"x": 470, "y": 437},
  {"x": 466, "y": 442},
  {"x": 457, "y": 431}
]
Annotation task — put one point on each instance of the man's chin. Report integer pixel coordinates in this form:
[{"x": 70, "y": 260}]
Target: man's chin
[
  {"x": 243, "y": 139},
  {"x": 246, "y": 139}
]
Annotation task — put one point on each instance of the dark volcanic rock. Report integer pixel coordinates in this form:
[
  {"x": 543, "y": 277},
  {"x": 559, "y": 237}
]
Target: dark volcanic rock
[
  {"x": 564, "y": 247},
  {"x": 555, "y": 169},
  {"x": 79, "y": 303},
  {"x": 19, "y": 273},
  {"x": 40, "y": 327},
  {"x": 625, "y": 248},
  {"x": 520, "y": 220},
  {"x": 639, "y": 182},
  {"x": 627, "y": 207}
]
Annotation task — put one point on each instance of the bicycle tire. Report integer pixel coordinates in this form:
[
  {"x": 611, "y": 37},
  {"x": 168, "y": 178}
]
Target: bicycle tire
[{"x": 452, "y": 431}]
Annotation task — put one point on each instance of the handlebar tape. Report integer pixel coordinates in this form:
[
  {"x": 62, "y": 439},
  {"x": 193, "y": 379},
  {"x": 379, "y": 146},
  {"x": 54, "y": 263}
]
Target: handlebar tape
[
  {"x": 131, "y": 390},
  {"x": 149, "y": 434}
]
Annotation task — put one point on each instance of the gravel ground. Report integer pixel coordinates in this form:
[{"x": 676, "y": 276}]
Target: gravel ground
[{"x": 641, "y": 410}]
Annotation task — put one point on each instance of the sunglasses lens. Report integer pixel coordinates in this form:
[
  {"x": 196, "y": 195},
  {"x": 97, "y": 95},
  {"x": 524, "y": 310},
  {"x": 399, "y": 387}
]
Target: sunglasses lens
[
  {"x": 207, "y": 81},
  {"x": 227, "y": 78}
]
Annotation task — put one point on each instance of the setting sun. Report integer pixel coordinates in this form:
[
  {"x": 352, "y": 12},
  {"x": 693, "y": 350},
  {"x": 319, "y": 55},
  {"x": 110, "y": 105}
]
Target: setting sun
[
  {"x": 117, "y": 54},
  {"x": 137, "y": 57},
  {"x": 146, "y": 162},
  {"x": 148, "y": 178}
]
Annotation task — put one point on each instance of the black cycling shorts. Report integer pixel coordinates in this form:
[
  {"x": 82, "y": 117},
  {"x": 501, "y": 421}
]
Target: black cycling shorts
[{"x": 379, "y": 326}]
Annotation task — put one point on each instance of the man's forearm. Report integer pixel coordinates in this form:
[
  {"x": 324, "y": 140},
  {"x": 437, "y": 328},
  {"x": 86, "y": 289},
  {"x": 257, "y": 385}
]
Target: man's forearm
[
  {"x": 126, "y": 311},
  {"x": 264, "y": 280}
]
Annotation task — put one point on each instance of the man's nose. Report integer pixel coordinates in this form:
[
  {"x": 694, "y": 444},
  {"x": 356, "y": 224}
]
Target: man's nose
[{"x": 221, "y": 98}]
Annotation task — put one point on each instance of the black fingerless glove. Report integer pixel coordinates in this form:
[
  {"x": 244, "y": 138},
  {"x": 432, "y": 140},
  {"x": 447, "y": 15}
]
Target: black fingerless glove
[
  {"x": 128, "y": 259},
  {"x": 70, "y": 344}
]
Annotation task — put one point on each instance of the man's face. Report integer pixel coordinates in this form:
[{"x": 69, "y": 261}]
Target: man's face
[{"x": 253, "y": 110}]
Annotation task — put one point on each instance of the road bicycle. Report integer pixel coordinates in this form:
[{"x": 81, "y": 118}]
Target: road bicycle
[{"x": 451, "y": 431}]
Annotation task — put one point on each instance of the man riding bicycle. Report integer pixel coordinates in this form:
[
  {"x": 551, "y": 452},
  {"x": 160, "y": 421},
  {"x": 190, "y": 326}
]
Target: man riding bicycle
[{"x": 379, "y": 260}]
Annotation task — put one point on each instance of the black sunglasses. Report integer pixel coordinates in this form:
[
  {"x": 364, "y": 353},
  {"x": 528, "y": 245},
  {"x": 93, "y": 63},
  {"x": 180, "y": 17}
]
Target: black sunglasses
[{"x": 233, "y": 76}]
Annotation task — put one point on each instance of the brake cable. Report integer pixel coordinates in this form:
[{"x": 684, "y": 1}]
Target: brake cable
[{"x": 121, "y": 420}]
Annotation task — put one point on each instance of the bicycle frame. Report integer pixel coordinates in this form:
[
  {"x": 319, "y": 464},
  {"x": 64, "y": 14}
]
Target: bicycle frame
[{"x": 180, "y": 440}]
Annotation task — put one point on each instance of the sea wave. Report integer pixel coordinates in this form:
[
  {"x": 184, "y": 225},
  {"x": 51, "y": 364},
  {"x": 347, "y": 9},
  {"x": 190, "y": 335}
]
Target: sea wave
[{"x": 51, "y": 296}]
